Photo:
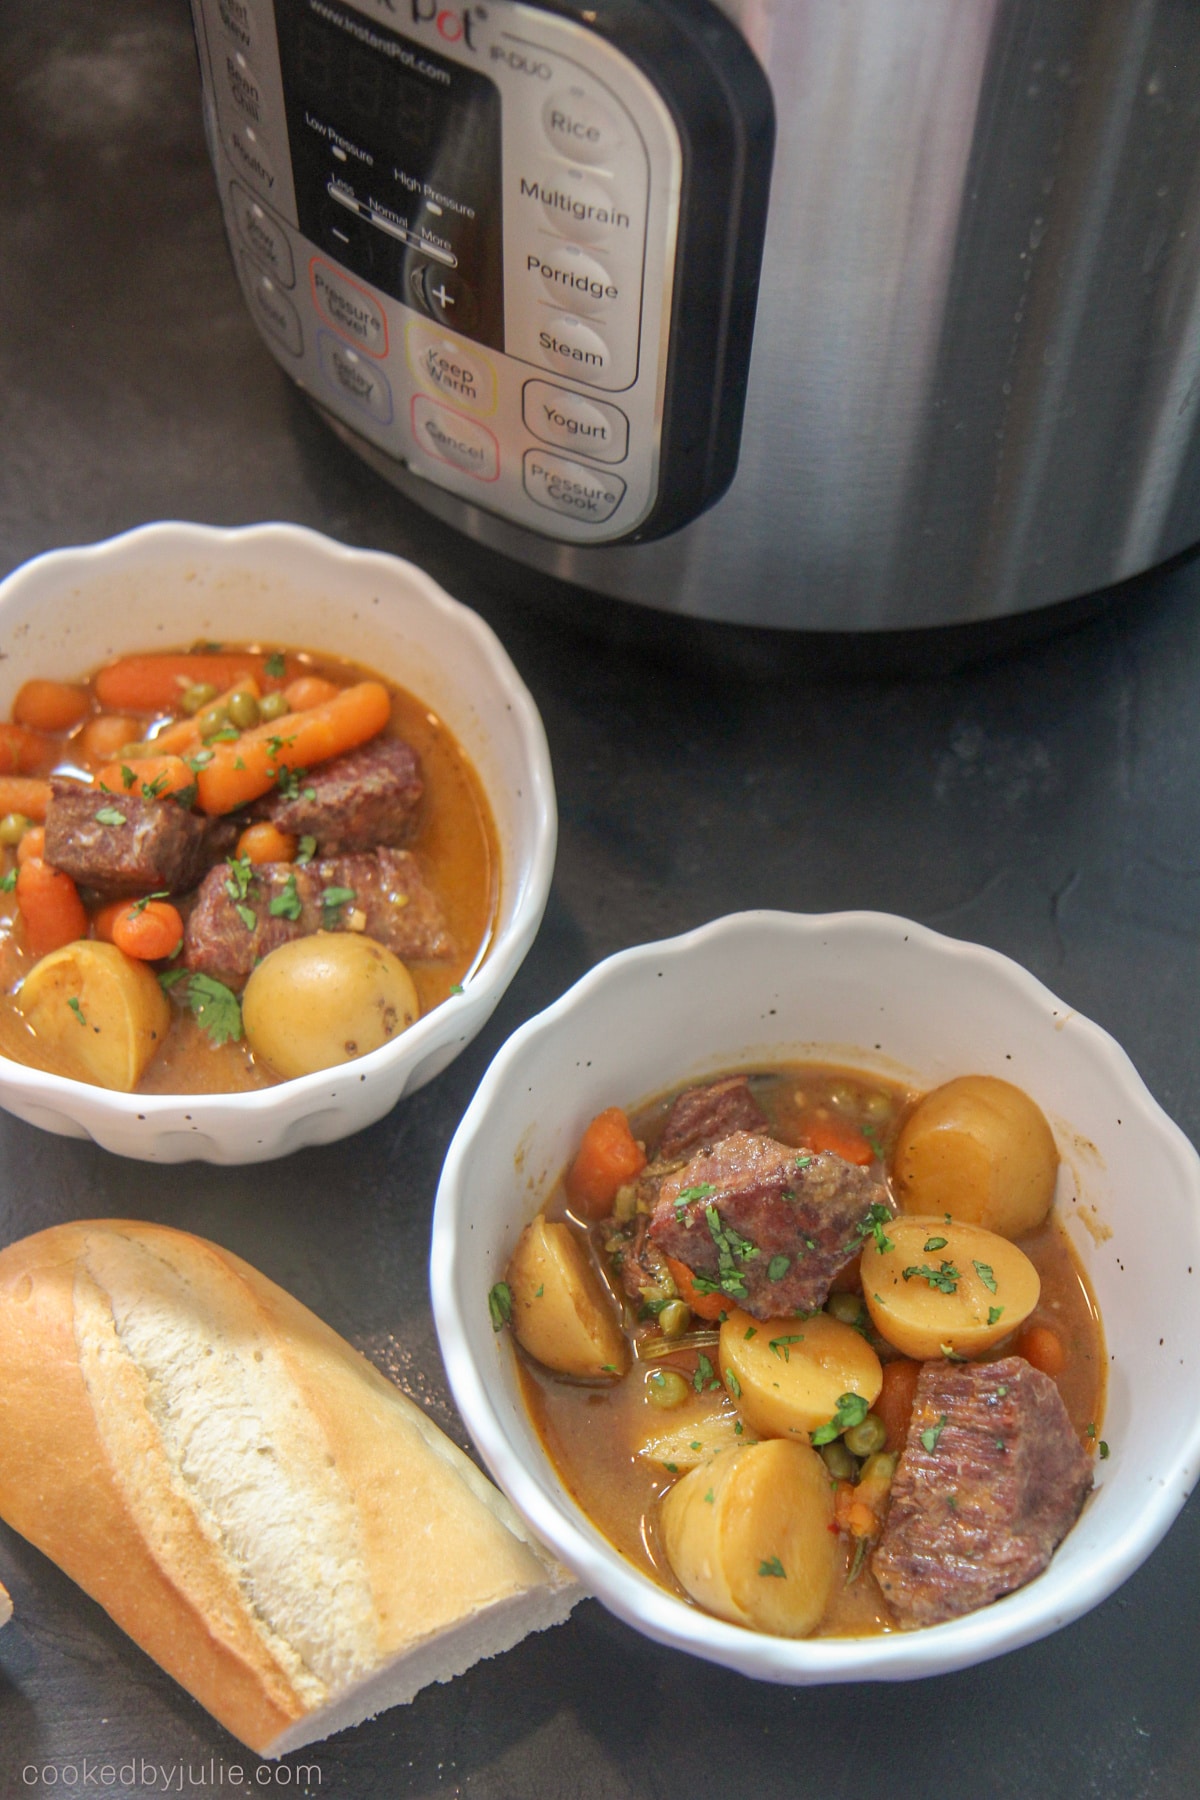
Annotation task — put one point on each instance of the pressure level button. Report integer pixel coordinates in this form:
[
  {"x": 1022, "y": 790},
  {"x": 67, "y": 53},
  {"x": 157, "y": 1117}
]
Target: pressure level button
[{"x": 579, "y": 126}]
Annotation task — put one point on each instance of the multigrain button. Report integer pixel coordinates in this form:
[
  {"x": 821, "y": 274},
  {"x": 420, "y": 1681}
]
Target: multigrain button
[
  {"x": 575, "y": 421},
  {"x": 249, "y": 156},
  {"x": 349, "y": 308},
  {"x": 245, "y": 89},
  {"x": 275, "y": 311},
  {"x": 457, "y": 371},
  {"x": 580, "y": 126},
  {"x": 574, "y": 278},
  {"x": 581, "y": 206},
  {"x": 569, "y": 343},
  {"x": 352, "y": 376},
  {"x": 572, "y": 489},
  {"x": 262, "y": 235},
  {"x": 463, "y": 443}
]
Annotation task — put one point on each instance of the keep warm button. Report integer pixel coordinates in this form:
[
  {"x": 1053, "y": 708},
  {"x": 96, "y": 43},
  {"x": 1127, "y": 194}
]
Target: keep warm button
[{"x": 571, "y": 488}]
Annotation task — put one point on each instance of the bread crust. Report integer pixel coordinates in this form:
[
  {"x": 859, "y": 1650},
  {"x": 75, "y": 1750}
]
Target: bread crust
[{"x": 119, "y": 1466}]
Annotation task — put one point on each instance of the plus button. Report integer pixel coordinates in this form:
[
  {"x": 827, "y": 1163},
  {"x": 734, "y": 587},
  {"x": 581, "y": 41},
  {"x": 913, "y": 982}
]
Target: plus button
[{"x": 441, "y": 296}]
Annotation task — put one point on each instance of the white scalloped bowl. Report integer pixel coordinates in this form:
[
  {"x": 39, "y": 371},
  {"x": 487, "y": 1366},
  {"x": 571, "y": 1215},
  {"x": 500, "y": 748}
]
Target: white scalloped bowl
[
  {"x": 168, "y": 584},
  {"x": 880, "y": 993}
]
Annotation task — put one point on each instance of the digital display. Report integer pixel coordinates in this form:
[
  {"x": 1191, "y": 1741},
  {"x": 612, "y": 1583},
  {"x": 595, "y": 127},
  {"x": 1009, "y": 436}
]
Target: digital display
[{"x": 396, "y": 161}]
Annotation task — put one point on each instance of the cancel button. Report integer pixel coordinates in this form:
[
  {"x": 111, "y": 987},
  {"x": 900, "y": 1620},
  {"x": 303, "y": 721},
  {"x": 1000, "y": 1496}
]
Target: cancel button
[{"x": 568, "y": 487}]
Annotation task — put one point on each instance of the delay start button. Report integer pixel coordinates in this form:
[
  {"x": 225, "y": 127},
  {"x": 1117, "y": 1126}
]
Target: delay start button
[{"x": 570, "y": 488}]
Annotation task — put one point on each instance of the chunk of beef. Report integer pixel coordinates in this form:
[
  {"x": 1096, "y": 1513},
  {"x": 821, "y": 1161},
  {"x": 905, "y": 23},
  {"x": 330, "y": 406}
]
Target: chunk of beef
[
  {"x": 146, "y": 847},
  {"x": 390, "y": 901},
  {"x": 704, "y": 1115},
  {"x": 643, "y": 1268},
  {"x": 991, "y": 1479},
  {"x": 357, "y": 801},
  {"x": 787, "y": 1221}
]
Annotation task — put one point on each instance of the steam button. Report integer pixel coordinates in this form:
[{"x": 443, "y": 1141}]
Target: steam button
[
  {"x": 571, "y": 488},
  {"x": 580, "y": 127},
  {"x": 568, "y": 343}
]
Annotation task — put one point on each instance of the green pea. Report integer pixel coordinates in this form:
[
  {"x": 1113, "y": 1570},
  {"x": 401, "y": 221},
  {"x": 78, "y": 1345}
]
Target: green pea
[
  {"x": 878, "y": 1106},
  {"x": 667, "y": 1388},
  {"x": 674, "y": 1318},
  {"x": 13, "y": 827},
  {"x": 842, "y": 1096},
  {"x": 272, "y": 706},
  {"x": 880, "y": 1467},
  {"x": 193, "y": 699},
  {"x": 131, "y": 752},
  {"x": 212, "y": 720},
  {"x": 867, "y": 1438},
  {"x": 243, "y": 710},
  {"x": 838, "y": 1461},
  {"x": 846, "y": 1307}
]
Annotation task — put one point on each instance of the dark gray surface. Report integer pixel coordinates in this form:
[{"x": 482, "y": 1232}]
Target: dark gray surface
[{"x": 1047, "y": 804}]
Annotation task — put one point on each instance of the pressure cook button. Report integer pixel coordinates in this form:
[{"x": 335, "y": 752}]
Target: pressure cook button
[
  {"x": 580, "y": 126},
  {"x": 580, "y": 206},
  {"x": 574, "y": 277},
  {"x": 575, "y": 421},
  {"x": 349, "y": 308},
  {"x": 245, "y": 89},
  {"x": 456, "y": 371},
  {"x": 450, "y": 438},
  {"x": 568, "y": 487},
  {"x": 275, "y": 311},
  {"x": 569, "y": 343},
  {"x": 262, "y": 235},
  {"x": 240, "y": 22},
  {"x": 350, "y": 375}
]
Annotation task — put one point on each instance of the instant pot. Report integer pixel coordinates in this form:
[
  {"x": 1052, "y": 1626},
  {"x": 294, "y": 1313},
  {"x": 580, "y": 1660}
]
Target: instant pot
[{"x": 826, "y": 314}]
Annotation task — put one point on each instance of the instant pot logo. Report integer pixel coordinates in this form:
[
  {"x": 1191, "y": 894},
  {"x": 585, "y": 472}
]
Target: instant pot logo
[{"x": 453, "y": 24}]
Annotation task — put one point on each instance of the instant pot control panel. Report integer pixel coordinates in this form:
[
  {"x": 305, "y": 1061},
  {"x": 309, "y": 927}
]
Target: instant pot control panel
[{"x": 515, "y": 247}]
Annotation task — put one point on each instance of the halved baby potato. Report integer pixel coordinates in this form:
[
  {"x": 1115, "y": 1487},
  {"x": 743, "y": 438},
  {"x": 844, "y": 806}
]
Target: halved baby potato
[
  {"x": 97, "y": 1015},
  {"x": 749, "y": 1536},
  {"x": 560, "y": 1312},
  {"x": 979, "y": 1149},
  {"x": 787, "y": 1375},
  {"x": 944, "y": 1288},
  {"x": 706, "y": 1424}
]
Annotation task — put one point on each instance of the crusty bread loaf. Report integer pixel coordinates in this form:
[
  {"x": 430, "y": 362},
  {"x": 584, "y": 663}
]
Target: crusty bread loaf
[{"x": 265, "y": 1514}]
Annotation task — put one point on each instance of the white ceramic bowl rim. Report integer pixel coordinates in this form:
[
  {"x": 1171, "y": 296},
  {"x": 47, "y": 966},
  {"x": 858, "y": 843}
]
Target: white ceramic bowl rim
[
  {"x": 461, "y": 1014},
  {"x": 1020, "y": 1618}
]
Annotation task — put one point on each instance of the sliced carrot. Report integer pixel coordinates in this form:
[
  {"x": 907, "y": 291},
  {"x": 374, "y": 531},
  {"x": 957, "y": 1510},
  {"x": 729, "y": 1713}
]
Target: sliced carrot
[
  {"x": 894, "y": 1403},
  {"x": 23, "y": 794},
  {"x": 309, "y": 690},
  {"x": 105, "y": 917},
  {"x": 842, "y": 1140},
  {"x": 50, "y": 906},
  {"x": 103, "y": 736},
  {"x": 265, "y": 843},
  {"x": 182, "y": 734},
  {"x": 608, "y": 1156},
  {"x": 50, "y": 705},
  {"x": 147, "y": 930},
  {"x": 147, "y": 777},
  {"x": 250, "y": 766},
  {"x": 32, "y": 844},
  {"x": 154, "y": 684},
  {"x": 705, "y": 1306},
  {"x": 1043, "y": 1348},
  {"x": 21, "y": 751}
]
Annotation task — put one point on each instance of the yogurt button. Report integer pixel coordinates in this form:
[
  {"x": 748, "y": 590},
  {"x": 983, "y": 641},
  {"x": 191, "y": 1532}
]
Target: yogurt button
[
  {"x": 274, "y": 311},
  {"x": 250, "y": 158},
  {"x": 450, "y": 438},
  {"x": 571, "y": 344},
  {"x": 570, "y": 488},
  {"x": 354, "y": 378},
  {"x": 573, "y": 277},
  {"x": 581, "y": 126},
  {"x": 575, "y": 421}
]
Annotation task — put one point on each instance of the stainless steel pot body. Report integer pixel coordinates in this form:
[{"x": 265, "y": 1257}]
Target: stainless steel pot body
[{"x": 976, "y": 360}]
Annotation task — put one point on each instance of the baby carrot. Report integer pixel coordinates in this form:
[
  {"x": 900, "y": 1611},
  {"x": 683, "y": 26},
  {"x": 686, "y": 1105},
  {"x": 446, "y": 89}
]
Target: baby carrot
[
  {"x": 894, "y": 1402},
  {"x": 154, "y": 684},
  {"x": 23, "y": 794},
  {"x": 842, "y": 1140},
  {"x": 309, "y": 690},
  {"x": 104, "y": 735},
  {"x": 147, "y": 777},
  {"x": 50, "y": 906},
  {"x": 705, "y": 1306},
  {"x": 32, "y": 844},
  {"x": 1043, "y": 1348},
  {"x": 50, "y": 705},
  {"x": 147, "y": 929},
  {"x": 251, "y": 766},
  {"x": 105, "y": 917},
  {"x": 265, "y": 843},
  {"x": 608, "y": 1155},
  {"x": 21, "y": 752}
]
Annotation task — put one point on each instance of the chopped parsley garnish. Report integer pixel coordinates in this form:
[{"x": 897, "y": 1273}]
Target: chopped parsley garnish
[
  {"x": 108, "y": 815},
  {"x": 9, "y": 881},
  {"x": 199, "y": 759},
  {"x": 771, "y": 1565},
  {"x": 750, "y": 1331},
  {"x": 332, "y": 900},
  {"x": 950, "y": 1353},
  {"x": 139, "y": 906},
  {"x": 168, "y": 980},
  {"x": 671, "y": 1468},
  {"x": 857, "y": 1561},
  {"x": 872, "y": 1226},
  {"x": 541, "y": 1288},
  {"x": 1090, "y": 1430},
  {"x": 500, "y": 1305},
  {"x": 852, "y": 1409},
  {"x": 228, "y": 734},
  {"x": 701, "y": 1191},
  {"x": 984, "y": 1272},
  {"x": 705, "y": 1376},
  {"x": 803, "y": 1161},
  {"x": 872, "y": 1138},
  {"x": 710, "y": 1496},
  {"x": 214, "y": 1007},
  {"x": 456, "y": 987},
  {"x": 778, "y": 1267},
  {"x": 288, "y": 782},
  {"x": 152, "y": 789},
  {"x": 945, "y": 1278},
  {"x": 77, "y": 1009},
  {"x": 695, "y": 1444},
  {"x": 186, "y": 796},
  {"x": 931, "y": 1434},
  {"x": 307, "y": 850},
  {"x": 247, "y": 915},
  {"x": 995, "y": 1314},
  {"x": 275, "y": 666},
  {"x": 241, "y": 874},
  {"x": 1103, "y": 1448},
  {"x": 935, "y": 1243},
  {"x": 781, "y": 1345},
  {"x": 127, "y": 776},
  {"x": 735, "y": 1388},
  {"x": 729, "y": 1244},
  {"x": 286, "y": 903}
]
